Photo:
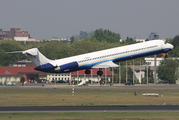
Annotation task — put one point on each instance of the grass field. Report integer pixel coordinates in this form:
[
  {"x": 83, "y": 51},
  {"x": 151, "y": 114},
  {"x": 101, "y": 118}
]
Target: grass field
[
  {"x": 89, "y": 116},
  {"x": 85, "y": 96}
]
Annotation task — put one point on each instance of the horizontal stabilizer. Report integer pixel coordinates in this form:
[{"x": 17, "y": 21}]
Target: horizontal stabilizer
[
  {"x": 106, "y": 65},
  {"x": 33, "y": 51},
  {"x": 15, "y": 52}
]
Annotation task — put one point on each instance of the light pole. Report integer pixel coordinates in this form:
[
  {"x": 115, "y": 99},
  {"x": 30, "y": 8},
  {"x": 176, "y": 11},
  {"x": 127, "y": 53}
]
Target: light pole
[
  {"x": 133, "y": 70},
  {"x": 112, "y": 75},
  {"x": 140, "y": 72},
  {"x": 119, "y": 73},
  {"x": 91, "y": 76},
  {"x": 77, "y": 77},
  {"x": 55, "y": 80},
  {"x": 155, "y": 70},
  {"x": 105, "y": 77},
  {"x": 155, "y": 57},
  {"x": 126, "y": 70},
  {"x": 147, "y": 75}
]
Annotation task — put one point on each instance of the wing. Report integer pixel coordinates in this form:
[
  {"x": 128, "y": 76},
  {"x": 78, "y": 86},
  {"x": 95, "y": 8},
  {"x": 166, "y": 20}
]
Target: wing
[{"x": 105, "y": 65}]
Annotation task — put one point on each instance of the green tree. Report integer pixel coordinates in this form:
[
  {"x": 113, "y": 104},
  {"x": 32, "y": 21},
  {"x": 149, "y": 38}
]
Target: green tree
[
  {"x": 54, "y": 49},
  {"x": 8, "y": 46},
  {"x": 99, "y": 35},
  {"x": 169, "y": 40},
  {"x": 175, "y": 41},
  {"x": 106, "y": 36},
  {"x": 175, "y": 52},
  {"x": 22, "y": 80},
  {"x": 168, "y": 70},
  {"x": 72, "y": 39},
  {"x": 130, "y": 41},
  {"x": 147, "y": 39}
]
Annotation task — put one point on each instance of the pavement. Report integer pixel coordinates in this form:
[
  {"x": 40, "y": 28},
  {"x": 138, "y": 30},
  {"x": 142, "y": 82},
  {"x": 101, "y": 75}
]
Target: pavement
[{"x": 122, "y": 108}]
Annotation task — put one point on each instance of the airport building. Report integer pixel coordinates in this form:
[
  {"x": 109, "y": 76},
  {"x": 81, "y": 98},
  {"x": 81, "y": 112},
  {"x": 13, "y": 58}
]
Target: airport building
[{"x": 14, "y": 74}]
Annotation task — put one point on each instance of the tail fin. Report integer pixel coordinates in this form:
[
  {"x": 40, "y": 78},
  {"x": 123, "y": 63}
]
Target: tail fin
[{"x": 36, "y": 57}]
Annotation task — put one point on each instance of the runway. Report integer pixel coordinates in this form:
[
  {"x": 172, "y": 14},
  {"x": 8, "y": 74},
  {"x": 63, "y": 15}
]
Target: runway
[{"x": 122, "y": 108}]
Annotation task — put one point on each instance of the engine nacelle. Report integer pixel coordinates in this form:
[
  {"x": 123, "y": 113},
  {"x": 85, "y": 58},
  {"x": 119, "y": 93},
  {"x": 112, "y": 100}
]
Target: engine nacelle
[{"x": 66, "y": 67}]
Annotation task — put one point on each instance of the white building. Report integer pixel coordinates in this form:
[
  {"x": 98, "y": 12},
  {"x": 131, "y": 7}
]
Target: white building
[
  {"x": 151, "y": 61},
  {"x": 58, "y": 76},
  {"x": 80, "y": 75}
]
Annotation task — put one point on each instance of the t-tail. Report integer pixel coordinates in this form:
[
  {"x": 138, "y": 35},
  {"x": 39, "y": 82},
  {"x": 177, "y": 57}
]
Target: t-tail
[{"x": 36, "y": 57}]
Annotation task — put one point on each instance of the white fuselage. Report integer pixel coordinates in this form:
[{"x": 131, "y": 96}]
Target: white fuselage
[{"x": 113, "y": 53}]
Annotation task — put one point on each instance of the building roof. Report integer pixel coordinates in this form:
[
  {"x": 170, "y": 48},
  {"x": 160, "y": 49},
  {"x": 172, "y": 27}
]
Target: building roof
[
  {"x": 15, "y": 71},
  {"x": 93, "y": 72}
]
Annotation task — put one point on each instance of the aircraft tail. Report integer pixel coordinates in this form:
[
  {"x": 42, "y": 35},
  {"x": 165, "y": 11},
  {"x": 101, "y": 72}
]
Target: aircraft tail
[{"x": 36, "y": 57}]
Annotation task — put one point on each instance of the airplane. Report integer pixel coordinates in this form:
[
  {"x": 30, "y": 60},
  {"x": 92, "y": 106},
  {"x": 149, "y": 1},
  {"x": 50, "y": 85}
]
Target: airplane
[{"x": 100, "y": 59}]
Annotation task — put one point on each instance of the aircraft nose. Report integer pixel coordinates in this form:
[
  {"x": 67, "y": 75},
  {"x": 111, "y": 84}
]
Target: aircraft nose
[{"x": 171, "y": 46}]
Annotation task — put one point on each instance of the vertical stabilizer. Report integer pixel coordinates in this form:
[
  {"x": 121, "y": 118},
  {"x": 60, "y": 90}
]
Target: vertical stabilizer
[{"x": 36, "y": 57}]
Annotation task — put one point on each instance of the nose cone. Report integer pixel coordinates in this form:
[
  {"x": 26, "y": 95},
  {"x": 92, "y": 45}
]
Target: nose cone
[{"x": 171, "y": 46}]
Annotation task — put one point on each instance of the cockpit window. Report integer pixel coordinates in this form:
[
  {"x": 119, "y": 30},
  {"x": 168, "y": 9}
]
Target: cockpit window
[{"x": 165, "y": 42}]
